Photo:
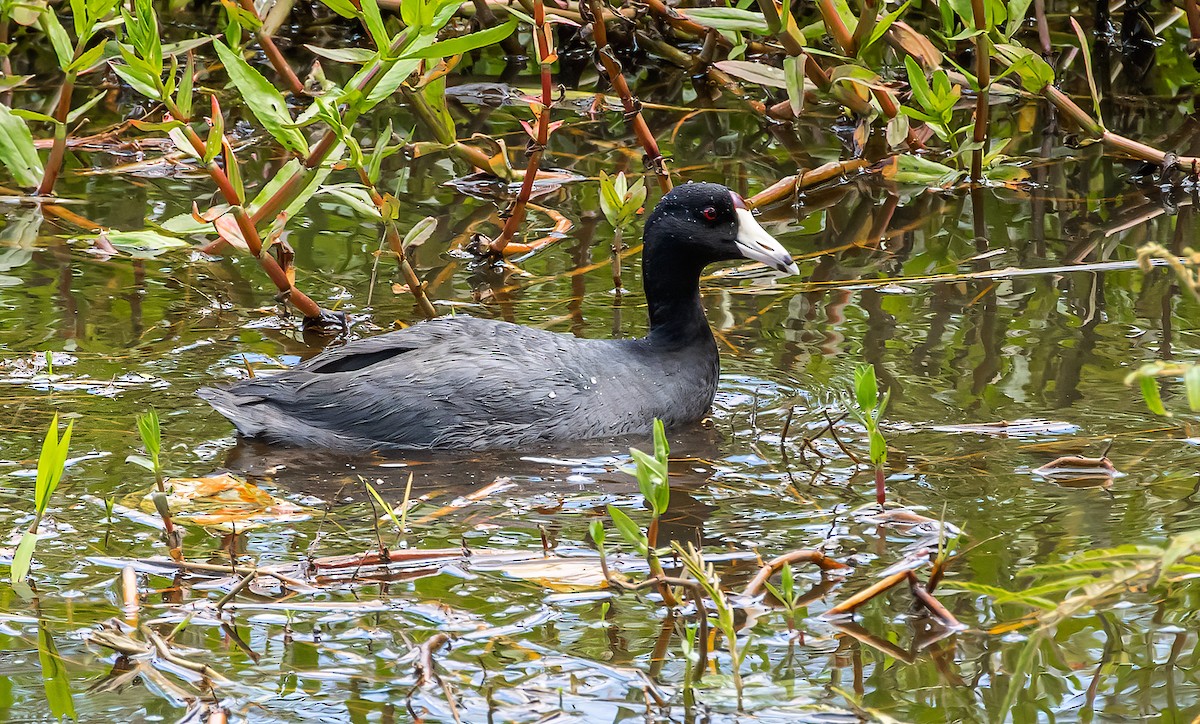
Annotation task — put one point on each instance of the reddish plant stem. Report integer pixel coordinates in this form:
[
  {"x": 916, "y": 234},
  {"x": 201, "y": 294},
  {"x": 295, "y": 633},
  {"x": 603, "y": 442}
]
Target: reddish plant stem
[
  {"x": 633, "y": 112},
  {"x": 303, "y": 303},
  {"x": 845, "y": 40},
  {"x": 983, "y": 63},
  {"x": 1193, "y": 18},
  {"x": 880, "y": 487},
  {"x": 277, "y": 60},
  {"x": 517, "y": 216},
  {"x": 1039, "y": 12},
  {"x": 58, "y": 151}
]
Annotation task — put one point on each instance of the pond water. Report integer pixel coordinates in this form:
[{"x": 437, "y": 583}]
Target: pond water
[{"x": 1003, "y": 363}]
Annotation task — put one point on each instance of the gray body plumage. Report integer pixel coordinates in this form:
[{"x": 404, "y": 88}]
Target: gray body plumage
[{"x": 468, "y": 383}]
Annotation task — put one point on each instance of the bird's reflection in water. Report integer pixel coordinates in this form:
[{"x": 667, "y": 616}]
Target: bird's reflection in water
[{"x": 588, "y": 472}]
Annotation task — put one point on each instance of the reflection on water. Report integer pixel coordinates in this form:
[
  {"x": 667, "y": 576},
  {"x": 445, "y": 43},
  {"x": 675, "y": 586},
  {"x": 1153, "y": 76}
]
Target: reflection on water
[{"x": 1013, "y": 336}]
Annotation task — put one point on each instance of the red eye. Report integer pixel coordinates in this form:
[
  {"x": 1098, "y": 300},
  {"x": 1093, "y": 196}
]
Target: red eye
[{"x": 710, "y": 213}]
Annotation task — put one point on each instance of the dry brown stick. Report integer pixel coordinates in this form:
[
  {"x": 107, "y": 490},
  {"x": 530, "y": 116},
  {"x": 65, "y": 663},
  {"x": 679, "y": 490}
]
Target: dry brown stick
[
  {"x": 237, "y": 588},
  {"x": 867, "y": 594},
  {"x": 633, "y": 111},
  {"x": 268, "y": 45},
  {"x": 773, "y": 566}
]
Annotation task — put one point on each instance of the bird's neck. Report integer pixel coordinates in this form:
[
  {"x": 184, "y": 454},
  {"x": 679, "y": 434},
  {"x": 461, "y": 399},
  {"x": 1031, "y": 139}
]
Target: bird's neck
[{"x": 672, "y": 287}]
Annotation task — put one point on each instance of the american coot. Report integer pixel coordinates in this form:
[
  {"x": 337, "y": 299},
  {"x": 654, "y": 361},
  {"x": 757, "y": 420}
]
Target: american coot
[{"x": 460, "y": 382}]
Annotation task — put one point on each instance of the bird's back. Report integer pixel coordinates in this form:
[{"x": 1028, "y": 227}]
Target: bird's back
[{"x": 468, "y": 383}]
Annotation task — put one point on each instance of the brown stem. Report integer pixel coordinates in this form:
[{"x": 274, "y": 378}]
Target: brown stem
[
  {"x": 983, "y": 76},
  {"x": 1193, "y": 18},
  {"x": 880, "y": 487},
  {"x": 867, "y": 594},
  {"x": 397, "y": 245},
  {"x": 933, "y": 605},
  {"x": 277, "y": 60},
  {"x": 1039, "y": 12},
  {"x": 789, "y": 185},
  {"x": 541, "y": 32},
  {"x": 837, "y": 29},
  {"x": 633, "y": 110},
  {"x": 773, "y": 566},
  {"x": 1113, "y": 141},
  {"x": 288, "y": 292},
  {"x": 58, "y": 150}
]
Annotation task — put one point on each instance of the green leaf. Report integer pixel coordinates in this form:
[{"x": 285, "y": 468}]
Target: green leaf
[
  {"x": 1000, "y": 593},
  {"x": 391, "y": 513},
  {"x": 629, "y": 530},
  {"x": 51, "y": 463},
  {"x": 145, "y": 243},
  {"x": 87, "y": 59},
  {"x": 465, "y": 43},
  {"x": 387, "y": 85},
  {"x": 878, "y": 448},
  {"x": 59, "y": 39},
  {"x": 662, "y": 448},
  {"x": 263, "y": 100},
  {"x": 909, "y": 169},
  {"x": 596, "y": 529},
  {"x": 23, "y": 557},
  {"x": 140, "y": 80},
  {"x": 793, "y": 76},
  {"x": 150, "y": 430},
  {"x": 183, "y": 97},
  {"x": 728, "y": 19},
  {"x": 1191, "y": 385},
  {"x": 216, "y": 134},
  {"x": 55, "y": 681},
  {"x": 141, "y": 461},
  {"x": 1149, "y": 387},
  {"x": 760, "y": 73},
  {"x": 342, "y": 7},
  {"x": 1181, "y": 546},
  {"x": 866, "y": 388},
  {"x": 17, "y": 152},
  {"x": 79, "y": 14},
  {"x": 882, "y": 26},
  {"x": 344, "y": 55},
  {"x": 420, "y": 232},
  {"x": 1034, "y": 72},
  {"x": 374, "y": 23},
  {"x": 1016, "y": 679},
  {"x": 1087, "y": 66}
]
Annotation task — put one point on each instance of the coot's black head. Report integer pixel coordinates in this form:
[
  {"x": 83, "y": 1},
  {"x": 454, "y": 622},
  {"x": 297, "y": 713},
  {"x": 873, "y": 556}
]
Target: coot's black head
[{"x": 697, "y": 224}]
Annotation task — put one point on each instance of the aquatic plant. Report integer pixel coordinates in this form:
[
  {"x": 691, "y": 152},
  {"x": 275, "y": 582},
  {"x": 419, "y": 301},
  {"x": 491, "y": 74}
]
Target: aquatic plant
[
  {"x": 150, "y": 431},
  {"x": 869, "y": 407},
  {"x": 52, "y": 462},
  {"x": 620, "y": 202}
]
